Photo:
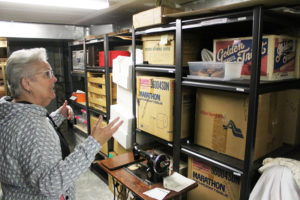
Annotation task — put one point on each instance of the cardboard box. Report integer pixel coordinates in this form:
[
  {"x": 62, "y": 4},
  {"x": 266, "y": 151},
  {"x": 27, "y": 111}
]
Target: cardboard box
[
  {"x": 93, "y": 121},
  {"x": 151, "y": 17},
  {"x": 155, "y": 102},
  {"x": 78, "y": 60},
  {"x": 160, "y": 49},
  {"x": 213, "y": 183},
  {"x": 118, "y": 149},
  {"x": 290, "y": 116},
  {"x": 221, "y": 123},
  {"x": 3, "y": 42},
  {"x": 298, "y": 60},
  {"x": 278, "y": 55}
]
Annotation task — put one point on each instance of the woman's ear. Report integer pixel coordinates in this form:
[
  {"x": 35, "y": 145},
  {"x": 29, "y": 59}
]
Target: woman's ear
[{"x": 25, "y": 84}]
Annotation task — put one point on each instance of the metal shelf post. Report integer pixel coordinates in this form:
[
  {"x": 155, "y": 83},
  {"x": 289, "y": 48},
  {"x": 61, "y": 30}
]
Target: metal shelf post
[
  {"x": 177, "y": 96},
  {"x": 253, "y": 101},
  {"x": 133, "y": 87},
  {"x": 107, "y": 76}
]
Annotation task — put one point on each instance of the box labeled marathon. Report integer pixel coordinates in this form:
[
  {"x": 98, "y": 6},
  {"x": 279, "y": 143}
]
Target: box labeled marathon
[
  {"x": 278, "y": 55},
  {"x": 213, "y": 183},
  {"x": 155, "y": 106}
]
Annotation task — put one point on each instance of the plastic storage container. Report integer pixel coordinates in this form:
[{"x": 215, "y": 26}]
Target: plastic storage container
[
  {"x": 112, "y": 55},
  {"x": 215, "y": 70}
]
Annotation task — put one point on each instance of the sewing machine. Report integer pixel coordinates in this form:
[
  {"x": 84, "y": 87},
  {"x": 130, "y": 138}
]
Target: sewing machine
[{"x": 156, "y": 167}]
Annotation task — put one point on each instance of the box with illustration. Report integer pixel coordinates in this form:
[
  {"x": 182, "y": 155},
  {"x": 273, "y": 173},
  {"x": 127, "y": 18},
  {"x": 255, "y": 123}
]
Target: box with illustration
[
  {"x": 278, "y": 55},
  {"x": 155, "y": 104},
  {"x": 221, "y": 122}
]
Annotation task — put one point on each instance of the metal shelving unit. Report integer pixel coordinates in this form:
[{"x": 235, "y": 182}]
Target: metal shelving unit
[
  {"x": 255, "y": 18},
  {"x": 104, "y": 43}
]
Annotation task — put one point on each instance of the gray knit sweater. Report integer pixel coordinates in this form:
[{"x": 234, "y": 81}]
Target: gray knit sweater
[{"x": 31, "y": 165}]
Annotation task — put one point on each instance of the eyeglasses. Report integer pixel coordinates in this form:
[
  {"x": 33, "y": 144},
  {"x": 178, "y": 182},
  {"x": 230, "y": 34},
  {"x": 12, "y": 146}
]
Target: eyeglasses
[{"x": 49, "y": 73}]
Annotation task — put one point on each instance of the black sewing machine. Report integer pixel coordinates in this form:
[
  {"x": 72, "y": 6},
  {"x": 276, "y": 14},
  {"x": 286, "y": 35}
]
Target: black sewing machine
[{"x": 157, "y": 166}]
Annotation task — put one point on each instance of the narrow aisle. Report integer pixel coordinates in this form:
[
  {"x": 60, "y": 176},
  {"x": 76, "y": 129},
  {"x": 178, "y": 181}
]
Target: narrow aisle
[{"x": 91, "y": 187}]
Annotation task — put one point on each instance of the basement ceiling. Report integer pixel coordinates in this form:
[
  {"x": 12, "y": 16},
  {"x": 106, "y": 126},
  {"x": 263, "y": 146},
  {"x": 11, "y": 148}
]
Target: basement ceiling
[{"x": 119, "y": 11}]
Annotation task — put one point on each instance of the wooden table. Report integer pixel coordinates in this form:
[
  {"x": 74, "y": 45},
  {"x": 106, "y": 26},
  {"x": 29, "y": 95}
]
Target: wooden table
[{"x": 115, "y": 167}]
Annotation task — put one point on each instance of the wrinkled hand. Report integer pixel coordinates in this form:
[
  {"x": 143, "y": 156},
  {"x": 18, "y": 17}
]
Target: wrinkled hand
[
  {"x": 66, "y": 111},
  {"x": 103, "y": 134}
]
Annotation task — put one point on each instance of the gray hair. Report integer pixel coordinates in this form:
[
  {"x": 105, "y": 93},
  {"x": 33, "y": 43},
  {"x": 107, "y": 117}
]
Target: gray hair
[{"x": 18, "y": 65}]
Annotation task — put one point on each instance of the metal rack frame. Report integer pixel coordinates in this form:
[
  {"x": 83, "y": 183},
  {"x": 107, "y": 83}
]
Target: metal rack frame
[{"x": 244, "y": 169}]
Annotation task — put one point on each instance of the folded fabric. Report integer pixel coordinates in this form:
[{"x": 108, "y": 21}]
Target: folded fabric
[
  {"x": 293, "y": 165},
  {"x": 276, "y": 183}
]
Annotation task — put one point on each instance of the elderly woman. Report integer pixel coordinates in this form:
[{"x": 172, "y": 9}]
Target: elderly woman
[{"x": 35, "y": 162}]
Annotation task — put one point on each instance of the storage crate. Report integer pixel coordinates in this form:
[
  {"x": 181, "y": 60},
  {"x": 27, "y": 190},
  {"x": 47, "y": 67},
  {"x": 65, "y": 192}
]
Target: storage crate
[
  {"x": 93, "y": 121},
  {"x": 98, "y": 78},
  {"x": 97, "y": 91},
  {"x": 97, "y": 99},
  {"x": 96, "y": 88}
]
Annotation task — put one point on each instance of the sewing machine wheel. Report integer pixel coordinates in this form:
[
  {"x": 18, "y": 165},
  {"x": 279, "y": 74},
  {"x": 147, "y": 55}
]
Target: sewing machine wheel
[{"x": 161, "y": 164}]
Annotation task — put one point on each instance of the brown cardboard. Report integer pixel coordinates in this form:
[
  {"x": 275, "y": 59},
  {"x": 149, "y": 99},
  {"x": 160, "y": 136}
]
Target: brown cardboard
[
  {"x": 213, "y": 183},
  {"x": 155, "y": 97},
  {"x": 119, "y": 149},
  {"x": 298, "y": 60},
  {"x": 216, "y": 110},
  {"x": 151, "y": 17},
  {"x": 160, "y": 48},
  {"x": 290, "y": 116},
  {"x": 93, "y": 121}
]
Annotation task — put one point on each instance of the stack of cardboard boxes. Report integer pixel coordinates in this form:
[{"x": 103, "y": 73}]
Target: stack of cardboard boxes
[{"x": 221, "y": 117}]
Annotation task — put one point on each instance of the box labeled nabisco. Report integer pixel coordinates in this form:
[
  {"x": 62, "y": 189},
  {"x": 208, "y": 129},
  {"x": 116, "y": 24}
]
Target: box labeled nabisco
[
  {"x": 155, "y": 102},
  {"x": 278, "y": 55},
  {"x": 213, "y": 183},
  {"x": 221, "y": 123}
]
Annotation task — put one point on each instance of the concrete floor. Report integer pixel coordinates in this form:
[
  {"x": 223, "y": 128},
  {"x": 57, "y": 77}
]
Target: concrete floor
[{"x": 91, "y": 187}]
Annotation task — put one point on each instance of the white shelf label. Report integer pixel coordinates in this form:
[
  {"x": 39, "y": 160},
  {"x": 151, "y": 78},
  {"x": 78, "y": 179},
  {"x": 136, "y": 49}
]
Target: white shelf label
[
  {"x": 214, "y": 21},
  {"x": 240, "y": 89},
  {"x": 73, "y": 98},
  {"x": 242, "y": 18}
]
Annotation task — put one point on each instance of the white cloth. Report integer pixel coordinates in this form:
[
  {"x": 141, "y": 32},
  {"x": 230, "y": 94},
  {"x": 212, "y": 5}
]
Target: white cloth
[
  {"x": 293, "y": 165},
  {"x": 277, "y": 181}
]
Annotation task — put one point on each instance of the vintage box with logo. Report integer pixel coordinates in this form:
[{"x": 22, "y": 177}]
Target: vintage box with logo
[
  {"x": 155, "y": 104},
  {"x": 278, "y": 55},
  {"x": 221, "y": 122},
  {"x": 213, "y": 183}
]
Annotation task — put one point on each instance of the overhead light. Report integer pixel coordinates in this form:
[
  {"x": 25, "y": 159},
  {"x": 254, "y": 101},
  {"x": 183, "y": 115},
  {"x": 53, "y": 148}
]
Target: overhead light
[{"x": 86, "y": 4}]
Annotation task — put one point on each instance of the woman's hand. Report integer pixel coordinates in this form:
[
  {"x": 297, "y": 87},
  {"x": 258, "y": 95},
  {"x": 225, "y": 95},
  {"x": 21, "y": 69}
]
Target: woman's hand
[
  {"x": 66, "y": 111},
  {"x": 103, "y": 134}
]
